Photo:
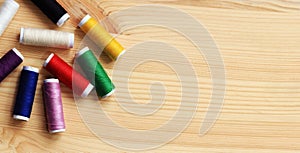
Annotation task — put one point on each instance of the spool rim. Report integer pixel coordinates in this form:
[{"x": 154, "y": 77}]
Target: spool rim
[
  {"x": 84, "y": 20},
  {"x": 21, "y": 118},
  {"x": 109, "y": 94},
  {"x": 82, "y": 51},
  {"x": 71, "y": 40},
  {"x": 52, "y": 80},
  {"x": 121, "y": 54},
  {"x": 32, "y": 69},
  {"x": 14, "y": 3},
  {"x": 87, "y": 90},
  {"x": 57, "y": 131},
  {"x": 18, "y": 53},
  {"x": 21, "y": 35},
  {"x": 47, "y": 61},
  {"x": 63, "y": 20}
]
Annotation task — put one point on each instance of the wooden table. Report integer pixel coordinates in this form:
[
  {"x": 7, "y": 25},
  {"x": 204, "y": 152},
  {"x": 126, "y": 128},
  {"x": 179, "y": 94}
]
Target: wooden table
[{"x": 258, "y": 40}]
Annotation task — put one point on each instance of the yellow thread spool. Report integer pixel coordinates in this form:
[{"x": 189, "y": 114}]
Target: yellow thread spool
[{"x": 101, "y": 37}]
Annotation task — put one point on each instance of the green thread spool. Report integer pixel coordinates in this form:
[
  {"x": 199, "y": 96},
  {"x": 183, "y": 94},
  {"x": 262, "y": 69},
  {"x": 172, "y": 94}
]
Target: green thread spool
[{"x": 95, "y": 73}]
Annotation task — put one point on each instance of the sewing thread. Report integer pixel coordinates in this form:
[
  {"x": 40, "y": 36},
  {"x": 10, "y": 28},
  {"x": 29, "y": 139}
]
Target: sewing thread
[
  {"x": 101, "y": 37},
  {"x": 10, "y": 61},
  {"x": 7, "y": 12},
  {"x": 65, "y": 73},
  {"x": 53, "y": 106},
  {"x": 53, "y": 10},
  {"x": 26, "y": 93},
  {"x": 46, "y": 38},
  {"x": 95, "y": 72}
]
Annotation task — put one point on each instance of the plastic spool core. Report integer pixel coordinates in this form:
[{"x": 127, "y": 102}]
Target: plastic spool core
[
  {"x": 32, "y": 69},
  {"x": 87, "y": 90},
  {"x": 21, "y": 36},
  {"x": 51, "y": 81},
  {"x": 57, "y": 131},
  {"x": 63, "y": 20},
  {"x": 84, "y": 20},
  {"x": 18, "y": 53},
  {"x": 48, "y": 60},
  {"x": 71, "y": 40},
  {"x": 21, "y": 118}
]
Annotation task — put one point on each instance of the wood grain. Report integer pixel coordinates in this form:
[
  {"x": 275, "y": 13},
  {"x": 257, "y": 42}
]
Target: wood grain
[{"x": 258, "y": 40}]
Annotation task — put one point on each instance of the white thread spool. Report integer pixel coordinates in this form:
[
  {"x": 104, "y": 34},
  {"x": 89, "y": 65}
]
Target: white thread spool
[
  {"x": 7, "y": 12},
  {"x": 46, "y": 38}
]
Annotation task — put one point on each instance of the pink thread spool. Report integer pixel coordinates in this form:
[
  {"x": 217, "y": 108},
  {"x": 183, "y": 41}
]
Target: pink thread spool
[{"x": 53, "y": 105}]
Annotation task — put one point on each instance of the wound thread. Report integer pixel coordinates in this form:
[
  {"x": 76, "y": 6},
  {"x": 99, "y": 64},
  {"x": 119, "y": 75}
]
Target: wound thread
[
  {"x": 53, "y": 10},
  {"x": 101, "y": 37},
  {"x": 53, "y": 106},
  {"x": 95, "y": 72},
  {"x": 65, "y": 73},
  {"x": 26, "y": 93},
  {"x": 7, "y": 12},
  {"x": 46, "y": 38},
  {"x": 10, "y": 61}
]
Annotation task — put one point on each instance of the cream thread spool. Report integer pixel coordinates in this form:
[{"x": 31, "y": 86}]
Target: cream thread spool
[
  {"x": 46, "y": 38},
  {"x": 7, "y": 12}
]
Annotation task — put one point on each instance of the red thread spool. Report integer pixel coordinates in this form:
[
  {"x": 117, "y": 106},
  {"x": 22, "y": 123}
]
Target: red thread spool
[{"x": 65, "y": 73}]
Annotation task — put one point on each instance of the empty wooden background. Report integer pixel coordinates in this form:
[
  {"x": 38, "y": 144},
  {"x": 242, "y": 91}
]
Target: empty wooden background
[{"x": 258, "y": 40}]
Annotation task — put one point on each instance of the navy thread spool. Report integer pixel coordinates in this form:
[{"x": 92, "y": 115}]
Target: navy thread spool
[
  {"x": 53, "y": 10},
  {"x": 26, "y": 93},
  {"x": 53, "y": 106},
  {"x": 10, "y": 61}
]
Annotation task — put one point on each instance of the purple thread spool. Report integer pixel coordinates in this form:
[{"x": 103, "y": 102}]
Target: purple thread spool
[
  {"x": 10, "y": 61},
  {"x": 53, "y": 105}
]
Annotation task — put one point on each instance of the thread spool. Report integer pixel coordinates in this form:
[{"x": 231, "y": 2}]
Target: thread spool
[
  {"x": 53, "y": 10},
  {"x": 54, "y": 106},
  {"x": 7, "y": 12},
  {"x": 10, "y": 61},
  {"x": 101, "y": 37},
  {"x": 46, "y": 38},
  {"x": 26, "y": 93},
  {"x": 95, "y": 72},
  {"x": 65, "y": 73}
]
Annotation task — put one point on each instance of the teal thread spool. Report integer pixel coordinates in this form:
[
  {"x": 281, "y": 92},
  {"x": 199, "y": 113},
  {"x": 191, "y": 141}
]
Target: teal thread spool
[{"x": 95, "y": 72}]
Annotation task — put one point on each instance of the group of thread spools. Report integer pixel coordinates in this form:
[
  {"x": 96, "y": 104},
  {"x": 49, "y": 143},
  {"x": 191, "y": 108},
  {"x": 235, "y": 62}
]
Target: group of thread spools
[{"x": 93, "y": 77}]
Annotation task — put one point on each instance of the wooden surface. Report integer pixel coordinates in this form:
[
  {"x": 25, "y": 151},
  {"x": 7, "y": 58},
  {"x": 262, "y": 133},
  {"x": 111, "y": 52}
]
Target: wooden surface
[{"x": 259, "y": 41}]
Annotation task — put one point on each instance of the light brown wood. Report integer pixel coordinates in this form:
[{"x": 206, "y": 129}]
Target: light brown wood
[{"x": 258, "y": 40}]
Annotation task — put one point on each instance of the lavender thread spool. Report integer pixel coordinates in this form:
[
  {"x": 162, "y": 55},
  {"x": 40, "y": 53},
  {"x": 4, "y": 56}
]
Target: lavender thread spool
[
  {"x": 53, "y": 105},
  {"x": 10, "y": 61}
]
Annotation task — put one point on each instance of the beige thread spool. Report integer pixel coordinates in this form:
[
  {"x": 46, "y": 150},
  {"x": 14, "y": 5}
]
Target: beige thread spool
[{"x": 46, "y": 38}]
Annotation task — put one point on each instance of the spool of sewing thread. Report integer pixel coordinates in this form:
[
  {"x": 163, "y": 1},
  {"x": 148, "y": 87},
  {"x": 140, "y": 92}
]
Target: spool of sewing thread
[
  {"x": 95, "y": 72},
  {"x": 26, "y": 93},
  {"x": 53, "y": 105},
  {"x": 10, "y": 61},
  {"x": 65, "y": 73},
  {"x": 46, "y": 38},
  {"x": 101, "y": 37},
  {"x": 7, "y": 12},
  {"x": 55, "y": 12}
]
